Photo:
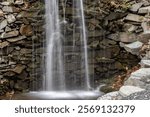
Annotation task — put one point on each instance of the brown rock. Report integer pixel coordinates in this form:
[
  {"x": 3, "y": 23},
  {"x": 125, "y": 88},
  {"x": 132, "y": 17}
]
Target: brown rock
[
  {"x": 127, "y": 37},
  {"x": 135, "y": 18},
  {"x": 1, "y": 13},
  {"x": 16, "y": 39},
  {"x": 26, "y": 30},
  {"x": 19, "y": 68},
  {"x": 9, "y": 34},
  {"x": 4, "y": 44}
]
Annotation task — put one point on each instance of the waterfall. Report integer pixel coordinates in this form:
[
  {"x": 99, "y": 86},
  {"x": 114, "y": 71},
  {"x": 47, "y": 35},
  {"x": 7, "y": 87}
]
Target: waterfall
[{"x": 56, "y": 77}]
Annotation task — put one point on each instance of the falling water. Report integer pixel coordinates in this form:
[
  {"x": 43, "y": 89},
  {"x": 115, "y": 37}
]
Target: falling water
[
  {"x": 55, "y": 85},
  {"x": 55, "y": 79},
  {"x": 85, "y": 46}
]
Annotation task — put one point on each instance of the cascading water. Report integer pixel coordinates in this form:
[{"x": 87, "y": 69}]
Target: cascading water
[
  {"x": 63, "y": 80},
  {"x": 55, "y": 79}
]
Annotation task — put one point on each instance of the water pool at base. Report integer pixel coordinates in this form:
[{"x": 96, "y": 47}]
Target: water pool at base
[{"x": 58, "y": 95}]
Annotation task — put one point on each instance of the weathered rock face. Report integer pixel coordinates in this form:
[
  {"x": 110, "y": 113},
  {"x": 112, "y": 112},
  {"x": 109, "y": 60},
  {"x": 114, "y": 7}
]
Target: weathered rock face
[{"x": 21, "y": 35}]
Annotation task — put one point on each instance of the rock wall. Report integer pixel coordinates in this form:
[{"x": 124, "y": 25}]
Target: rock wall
[
  {"x": 110, "y": 26},
  {"x": 21, "y": 40}
]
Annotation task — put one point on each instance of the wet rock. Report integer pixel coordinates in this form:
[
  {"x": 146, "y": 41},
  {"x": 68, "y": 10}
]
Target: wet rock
[{"x": 128, "y": 90}]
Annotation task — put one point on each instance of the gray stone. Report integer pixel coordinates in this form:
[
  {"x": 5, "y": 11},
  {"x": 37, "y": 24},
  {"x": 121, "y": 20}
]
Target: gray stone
[
  {"x": 135, "y": 7},
  {"x": 139, "y": 78},
  {"x": 130, "y": 27},
  {"x": 3, "y": 24},
  {"x": 144, "y": 10},
  {"x": 11, "y": 18},
  {"x": 19, "y": 2},
  {"x": 8, "y": 9},
  {"x": 5, "y": 3},
  {"x": 143, "y": 95},
  {"x": 132, "y": 47},
  {"x": 11, "y": 9},
  {"x": 148, "y": 55},
  {"x": 145, "y": 63},
  {"x": 128, "y": 90},
  {"x": 111, "y": 96},
  {"x": 134, "y": 18},
  {"x": 146, "y": 27},
  {"x": 7, "y": 29},
  {"x": 114, "y": 36}
]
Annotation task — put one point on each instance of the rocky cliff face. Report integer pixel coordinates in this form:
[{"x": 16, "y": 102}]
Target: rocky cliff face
[{"x": 21, "y": 40}]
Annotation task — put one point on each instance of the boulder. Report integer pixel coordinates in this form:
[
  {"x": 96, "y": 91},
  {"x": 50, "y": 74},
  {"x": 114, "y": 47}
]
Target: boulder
[
  {"x": 111, "y": 96},
  {"x": 139, "y": 78},
  {"x": 128, "y": 90}
]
